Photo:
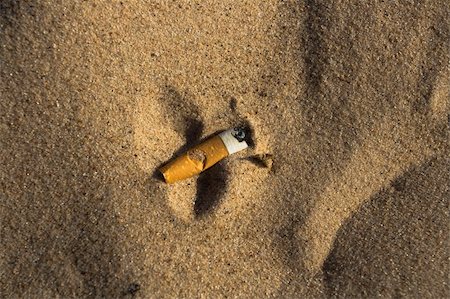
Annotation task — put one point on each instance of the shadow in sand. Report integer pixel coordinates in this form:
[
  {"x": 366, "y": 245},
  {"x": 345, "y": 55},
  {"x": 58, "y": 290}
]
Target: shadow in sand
[
  {"x": 398, "y": 238},
  {"x": 211, "y": 186}
]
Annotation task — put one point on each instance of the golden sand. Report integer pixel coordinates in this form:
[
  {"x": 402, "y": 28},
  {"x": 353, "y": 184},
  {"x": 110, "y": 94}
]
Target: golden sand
[{"x": 344, "y": 191}]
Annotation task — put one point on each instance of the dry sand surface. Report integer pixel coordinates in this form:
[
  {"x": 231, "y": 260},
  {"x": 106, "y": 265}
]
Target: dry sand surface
[{"x": 344, "y": 192}]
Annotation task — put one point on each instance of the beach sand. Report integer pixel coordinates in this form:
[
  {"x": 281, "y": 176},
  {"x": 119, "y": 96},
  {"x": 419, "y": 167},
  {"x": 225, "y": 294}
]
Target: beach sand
[{"x": 348, "y": 101}]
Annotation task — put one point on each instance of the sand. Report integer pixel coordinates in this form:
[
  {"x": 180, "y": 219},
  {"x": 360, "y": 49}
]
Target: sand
[{"x": 344, "y": 192}]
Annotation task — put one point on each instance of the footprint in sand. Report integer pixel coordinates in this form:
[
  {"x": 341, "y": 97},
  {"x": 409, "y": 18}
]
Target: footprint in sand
[{"x": 394, "y": 146}]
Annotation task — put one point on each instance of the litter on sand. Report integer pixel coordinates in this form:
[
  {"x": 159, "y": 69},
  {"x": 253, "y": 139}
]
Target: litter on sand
[{"x": 204, "y": 155}]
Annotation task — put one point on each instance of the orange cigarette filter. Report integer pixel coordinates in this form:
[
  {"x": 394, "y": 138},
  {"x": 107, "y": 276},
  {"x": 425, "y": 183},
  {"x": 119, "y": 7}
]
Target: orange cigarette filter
[{"x": 204, "y": 155}]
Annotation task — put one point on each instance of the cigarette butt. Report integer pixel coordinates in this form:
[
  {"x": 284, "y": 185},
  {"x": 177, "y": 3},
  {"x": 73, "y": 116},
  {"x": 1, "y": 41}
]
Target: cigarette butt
[{"x": 204, "y": 155}]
